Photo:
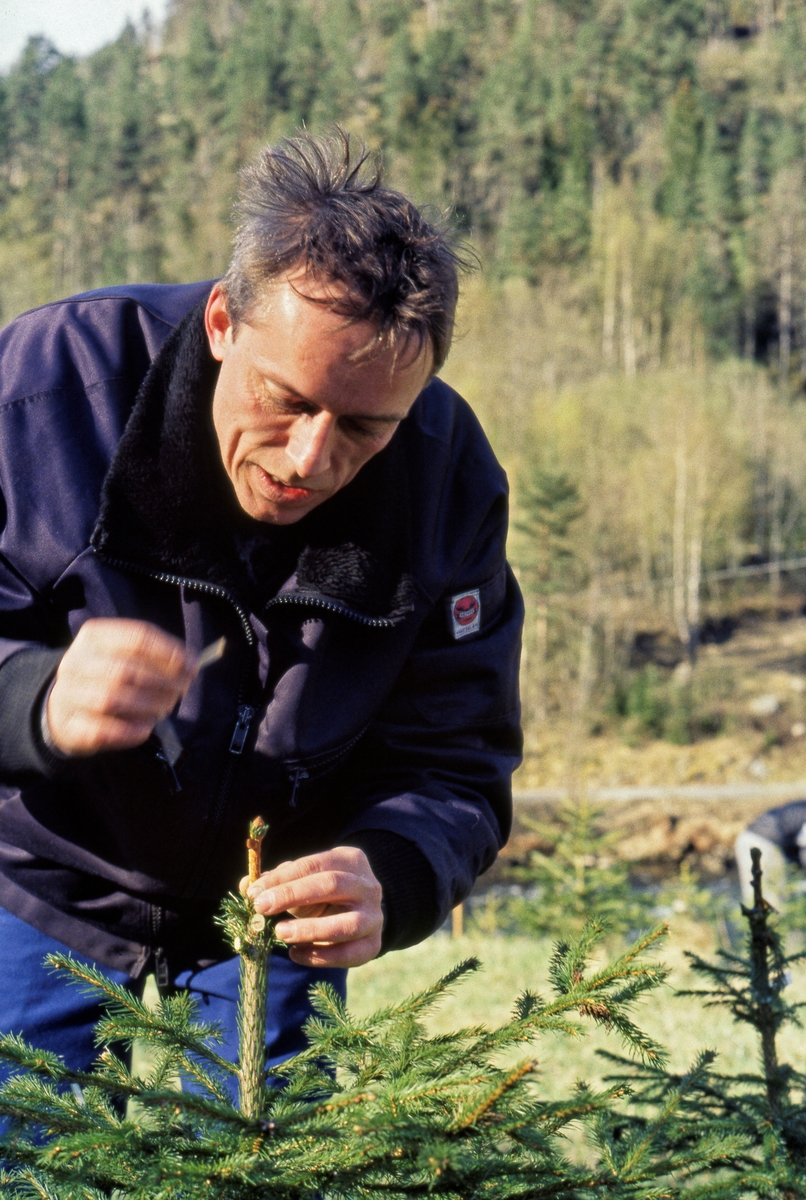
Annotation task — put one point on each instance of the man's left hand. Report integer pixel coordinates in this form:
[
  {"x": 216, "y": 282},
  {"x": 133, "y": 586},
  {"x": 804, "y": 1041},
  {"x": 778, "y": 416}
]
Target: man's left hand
[{"x": 335, "y": 901}]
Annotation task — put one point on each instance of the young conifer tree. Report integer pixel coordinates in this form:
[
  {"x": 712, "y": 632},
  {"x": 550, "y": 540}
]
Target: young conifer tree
[
  {"x": 580, "y": 875},
  {"x": 374, "y": 1107},
  {"x": 766, "y": 1108}
]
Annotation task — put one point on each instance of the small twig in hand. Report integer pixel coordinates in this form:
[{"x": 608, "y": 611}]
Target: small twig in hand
[{"x": 254, "y": 844}]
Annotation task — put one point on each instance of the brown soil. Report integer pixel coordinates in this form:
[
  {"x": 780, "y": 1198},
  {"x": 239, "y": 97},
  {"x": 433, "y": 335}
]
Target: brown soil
[{"x": 763, "y": 658}]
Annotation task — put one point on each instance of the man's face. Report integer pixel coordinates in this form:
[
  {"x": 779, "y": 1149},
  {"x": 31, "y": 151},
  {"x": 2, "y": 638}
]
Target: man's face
[{"x": 295, "y": 414}]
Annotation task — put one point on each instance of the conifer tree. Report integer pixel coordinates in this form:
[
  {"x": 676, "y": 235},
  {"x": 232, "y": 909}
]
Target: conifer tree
[
  {"x": 498, "y": 108},
  {"x": 374, "y": 1107},
  {"x": 765, "y": 1108},
  {"x": 578, "y": 875}
]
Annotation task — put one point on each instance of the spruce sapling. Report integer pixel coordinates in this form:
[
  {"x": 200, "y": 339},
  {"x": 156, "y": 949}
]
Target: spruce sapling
[
  {"x": 375, "y": 1107},
  {"x": 254, "y": 990},
  {"x": 579, "y": 876},
  {"x": 766, "y": 1109}
]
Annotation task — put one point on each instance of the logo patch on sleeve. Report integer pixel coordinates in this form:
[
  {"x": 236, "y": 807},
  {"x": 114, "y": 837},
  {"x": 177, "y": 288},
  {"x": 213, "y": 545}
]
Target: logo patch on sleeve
[{"x": 465, "y": 613}]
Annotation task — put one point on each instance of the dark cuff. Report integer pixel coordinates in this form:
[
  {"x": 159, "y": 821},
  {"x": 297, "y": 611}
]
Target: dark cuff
[
  {"x": 409, "y": 886},
  {"x": 24, "y": 680}
]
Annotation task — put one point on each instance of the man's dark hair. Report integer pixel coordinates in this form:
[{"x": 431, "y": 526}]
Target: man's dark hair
[{"x": 312, "y": 202}]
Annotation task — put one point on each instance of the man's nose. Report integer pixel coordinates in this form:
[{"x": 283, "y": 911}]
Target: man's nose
[{"x": 310, "y": 443}]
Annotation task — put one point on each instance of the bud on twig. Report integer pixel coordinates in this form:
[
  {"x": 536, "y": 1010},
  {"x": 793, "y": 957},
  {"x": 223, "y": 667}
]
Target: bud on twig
[{"x": 254, "y": 844}]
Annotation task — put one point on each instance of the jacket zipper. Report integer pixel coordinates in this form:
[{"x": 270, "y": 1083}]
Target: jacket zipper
[
  {"x": 245, "y": 712},
  {"x": 173, "y": 778},
  {"x": 162, "y": 975},
  {"x": 198, "y": 585},
  {"x": 298, "y": 772},
  {"x": 332, "y": 606}
]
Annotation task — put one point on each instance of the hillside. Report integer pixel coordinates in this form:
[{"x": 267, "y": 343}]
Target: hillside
[{"x": 629, "y": 174}]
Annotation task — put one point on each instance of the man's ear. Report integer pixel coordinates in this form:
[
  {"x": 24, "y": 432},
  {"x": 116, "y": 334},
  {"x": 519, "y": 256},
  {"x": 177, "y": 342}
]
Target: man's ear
[{"x": 217, "y": 322}]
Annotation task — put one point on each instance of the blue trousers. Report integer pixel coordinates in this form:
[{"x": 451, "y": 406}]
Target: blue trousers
[{"x": 54, "y": 1015}]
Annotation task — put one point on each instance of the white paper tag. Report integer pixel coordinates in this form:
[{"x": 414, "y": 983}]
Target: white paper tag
[{"x": 466, "y": 613}]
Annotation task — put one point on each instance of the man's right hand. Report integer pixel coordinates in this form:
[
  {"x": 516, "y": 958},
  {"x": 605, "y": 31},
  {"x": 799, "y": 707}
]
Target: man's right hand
[{"x": 116, "y": 680}]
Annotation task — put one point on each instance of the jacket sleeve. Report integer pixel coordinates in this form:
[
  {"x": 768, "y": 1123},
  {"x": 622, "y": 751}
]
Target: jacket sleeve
[
  {"x": 436, "y": 765},
  {"x": 29, "y": 657}
]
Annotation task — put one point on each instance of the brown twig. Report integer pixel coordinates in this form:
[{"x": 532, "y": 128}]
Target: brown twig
[
  {"x": 254, "y": 844},
  {"x": 254, "y": 991},
  {"x": 504, "y": 1086}
]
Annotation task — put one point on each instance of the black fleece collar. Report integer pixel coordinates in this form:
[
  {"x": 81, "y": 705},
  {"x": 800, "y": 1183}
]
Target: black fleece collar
[{"x": 168, "y": 506}]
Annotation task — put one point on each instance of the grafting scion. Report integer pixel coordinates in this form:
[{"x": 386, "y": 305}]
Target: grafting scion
[{"x": 253, "y": 946}]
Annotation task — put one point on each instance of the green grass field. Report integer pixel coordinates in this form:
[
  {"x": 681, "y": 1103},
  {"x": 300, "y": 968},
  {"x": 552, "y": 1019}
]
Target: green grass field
[
  {"x": 511, "y": 964},
  {"x": 682, "y": 1024}
]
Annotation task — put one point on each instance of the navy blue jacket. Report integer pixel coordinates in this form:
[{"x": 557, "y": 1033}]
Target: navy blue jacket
[{"x": 352, "y": 705}]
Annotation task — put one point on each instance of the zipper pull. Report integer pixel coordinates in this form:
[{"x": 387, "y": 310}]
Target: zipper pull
[
  {"x": 165, "y": 761},
  {"x": 162, "y": 976},
  {"x": 299, "y": 773},
  {"x": 241, "y": 731}
]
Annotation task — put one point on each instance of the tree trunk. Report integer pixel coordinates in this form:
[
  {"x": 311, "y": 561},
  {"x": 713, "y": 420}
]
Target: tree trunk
[
  {"x": 749, "y": 331},
  {"x": 679, "y": 544},
  {"x": 776, "y": 528},
  {"x": 541, "y": 657},
  {"x": 586, "y": 656},
  {"x": 656, "y": 332},
  {"x": 761, "y": 480},
  {"x": 627, "y": 318},
  {"x": 695, "y": 572},
  {"x": 253, "y": 993},
  {"x": 785, "y": 287},
  {"x": 609, "y": 312},
  {"x": 763, "y": 992},
  {"x": 252, "y": 1003}
]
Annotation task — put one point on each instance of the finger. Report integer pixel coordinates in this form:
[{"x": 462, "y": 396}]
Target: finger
[
  {"x": 100, "y": 699},
  {"x": 348, "y": 954},
  {"x": 116, "y": 673},
  {"x": 347, "y": 858},
  {"x": 309, "y": 910},
  {"x": 78, "y": 711},
  {"x": 98, "y": 682},
  {"x": 97, "y": 672},
  {"x": 131, "y": 703},
  {"x": 329, "y": 887},
  {"x": 138, "y": 640},
  {"x": 84, "y": 735},
  {"x": 349, "y": 926},
  {"x": 113, "y": 733},
  {"x": 246, "y": 886}
]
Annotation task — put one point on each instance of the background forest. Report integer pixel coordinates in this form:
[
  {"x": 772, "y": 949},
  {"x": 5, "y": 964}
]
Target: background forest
[{"x": 630, "y": 174}]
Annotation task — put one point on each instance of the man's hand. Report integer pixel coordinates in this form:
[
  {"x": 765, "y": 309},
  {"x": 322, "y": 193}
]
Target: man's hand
[
  {"x": 116, "y": 680},
  {"x": 336, "y": 902}
]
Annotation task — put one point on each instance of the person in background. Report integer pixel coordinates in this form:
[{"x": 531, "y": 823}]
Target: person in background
[{"x": 780, "y": 835}]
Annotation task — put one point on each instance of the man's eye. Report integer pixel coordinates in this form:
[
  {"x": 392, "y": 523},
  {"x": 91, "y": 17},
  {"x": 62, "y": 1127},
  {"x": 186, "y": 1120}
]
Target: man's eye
[
  {"x": 366, "y": 432},
  {"x": 292, "y": 407}
]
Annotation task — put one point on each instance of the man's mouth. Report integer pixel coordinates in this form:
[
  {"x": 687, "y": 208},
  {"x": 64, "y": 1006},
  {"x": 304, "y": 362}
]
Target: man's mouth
[{"x": 277, "y": 490}]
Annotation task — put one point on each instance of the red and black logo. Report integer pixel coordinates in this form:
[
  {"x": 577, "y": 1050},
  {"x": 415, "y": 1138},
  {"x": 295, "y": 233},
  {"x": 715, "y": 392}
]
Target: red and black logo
[{"x": 465, "y": 610}]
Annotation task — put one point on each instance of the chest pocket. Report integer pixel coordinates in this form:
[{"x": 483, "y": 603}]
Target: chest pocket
[{"x": 308, "y": 769}]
